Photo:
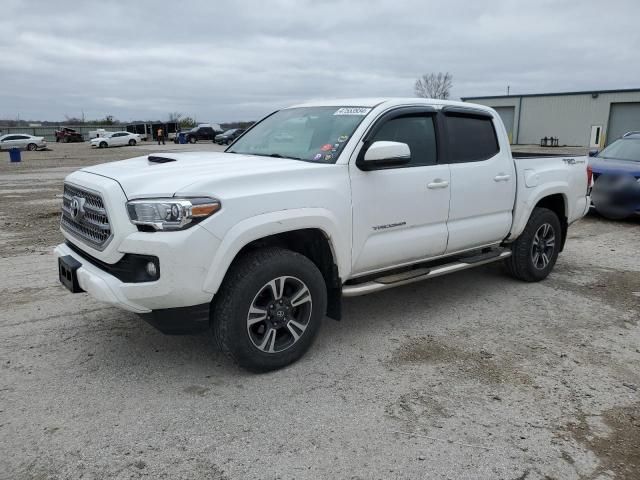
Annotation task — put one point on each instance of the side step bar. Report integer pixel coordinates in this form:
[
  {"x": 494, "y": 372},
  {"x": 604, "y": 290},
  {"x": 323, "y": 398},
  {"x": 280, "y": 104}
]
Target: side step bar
[{"x": 411, "y": 276}]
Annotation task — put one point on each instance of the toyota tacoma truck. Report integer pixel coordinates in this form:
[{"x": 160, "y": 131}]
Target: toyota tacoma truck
[{"x": 257, "y": 244}]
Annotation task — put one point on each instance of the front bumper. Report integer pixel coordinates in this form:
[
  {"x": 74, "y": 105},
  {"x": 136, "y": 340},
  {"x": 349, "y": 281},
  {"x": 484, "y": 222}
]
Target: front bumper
[{"x": 183, "y": 260}]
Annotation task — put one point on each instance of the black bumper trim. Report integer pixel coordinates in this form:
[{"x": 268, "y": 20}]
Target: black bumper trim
[
  {"x": 181, "y": 320},
  {"x": 129, "y": 269}
]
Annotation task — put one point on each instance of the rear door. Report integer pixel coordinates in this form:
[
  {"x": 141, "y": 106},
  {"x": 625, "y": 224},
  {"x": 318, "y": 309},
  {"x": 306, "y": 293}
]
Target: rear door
[
  {"x": 400, "y": 213},
  {"x": 483, "y": 182}
]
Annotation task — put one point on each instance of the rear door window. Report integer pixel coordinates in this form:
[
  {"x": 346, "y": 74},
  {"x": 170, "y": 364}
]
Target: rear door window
[{"x": 470, "y": 138}]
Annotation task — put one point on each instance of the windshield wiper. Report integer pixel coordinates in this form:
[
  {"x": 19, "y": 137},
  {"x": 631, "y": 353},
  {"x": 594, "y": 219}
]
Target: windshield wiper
[{"x": 277, "y": 155}]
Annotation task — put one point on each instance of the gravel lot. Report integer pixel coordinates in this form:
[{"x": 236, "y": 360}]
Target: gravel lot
[{"x": 470, "y": 376}]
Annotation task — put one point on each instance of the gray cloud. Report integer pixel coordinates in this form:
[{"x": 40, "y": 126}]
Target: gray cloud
[{"x": 232, "y": 61}]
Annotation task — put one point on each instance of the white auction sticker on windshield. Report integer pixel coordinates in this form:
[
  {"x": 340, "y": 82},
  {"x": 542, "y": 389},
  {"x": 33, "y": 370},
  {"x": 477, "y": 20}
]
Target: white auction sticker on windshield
[{"x": 352, "y": 111}]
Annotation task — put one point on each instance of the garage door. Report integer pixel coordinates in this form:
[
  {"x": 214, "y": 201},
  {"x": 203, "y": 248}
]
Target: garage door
[
  {"x": 623, "y": 118},
  {"x": 507, "y": 114}
]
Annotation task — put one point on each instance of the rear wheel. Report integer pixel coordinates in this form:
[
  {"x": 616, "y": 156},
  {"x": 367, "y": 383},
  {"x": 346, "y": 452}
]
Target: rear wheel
[
  {"x": 32, "y": 146},
  {"x": 536, "y": 250},
  {"x": 269, "y": 309}
]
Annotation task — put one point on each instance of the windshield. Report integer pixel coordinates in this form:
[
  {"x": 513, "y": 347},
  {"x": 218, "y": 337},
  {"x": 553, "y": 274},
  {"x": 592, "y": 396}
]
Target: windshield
[
  {"x": 623, "y": 149},
  {"x": 315, "y": 134},
  {"x": 229, "y": 132}
]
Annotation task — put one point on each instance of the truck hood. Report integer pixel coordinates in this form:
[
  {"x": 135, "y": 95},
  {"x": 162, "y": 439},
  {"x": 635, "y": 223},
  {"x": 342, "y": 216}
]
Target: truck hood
[{"x": 186, "y": 172}]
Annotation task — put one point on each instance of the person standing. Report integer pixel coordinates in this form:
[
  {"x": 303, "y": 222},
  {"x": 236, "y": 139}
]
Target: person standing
[{"x": 160, "y": 135}]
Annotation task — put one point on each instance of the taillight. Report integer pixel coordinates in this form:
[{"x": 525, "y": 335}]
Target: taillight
[{"x": 589, "y": 175}]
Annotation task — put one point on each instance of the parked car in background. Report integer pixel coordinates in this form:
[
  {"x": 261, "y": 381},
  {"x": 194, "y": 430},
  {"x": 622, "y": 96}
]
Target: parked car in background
[
  {"x": 229, "y": 136},
  {"x": 23, "y": 141},
  {"x": 203, "y": 131},
  {"x": 67, "y": 135},
  {"x": 100, "y": 132},
  {"x": 260, "y": 242},
  {"x": 116, "y": 139},
  {"x": 616, "y": 178}
]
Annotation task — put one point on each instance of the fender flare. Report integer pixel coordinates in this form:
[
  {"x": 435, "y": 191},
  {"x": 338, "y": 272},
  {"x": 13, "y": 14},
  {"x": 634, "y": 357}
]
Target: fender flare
[
  {"x": 273, "y": 223},
  {"x": 524, "y": 209}
]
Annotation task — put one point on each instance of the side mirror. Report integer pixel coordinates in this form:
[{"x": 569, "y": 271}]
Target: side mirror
[
  {"x": 593, "y": 153},
  {"x": 384, "y": 155}
]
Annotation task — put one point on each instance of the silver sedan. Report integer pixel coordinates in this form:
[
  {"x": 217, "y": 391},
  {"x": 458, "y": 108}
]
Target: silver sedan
[{"x": 22, "y": 140}]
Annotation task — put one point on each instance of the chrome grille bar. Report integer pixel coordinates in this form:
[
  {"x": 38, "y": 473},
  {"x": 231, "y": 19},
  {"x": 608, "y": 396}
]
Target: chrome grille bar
[{"x": 90, "y": 222}]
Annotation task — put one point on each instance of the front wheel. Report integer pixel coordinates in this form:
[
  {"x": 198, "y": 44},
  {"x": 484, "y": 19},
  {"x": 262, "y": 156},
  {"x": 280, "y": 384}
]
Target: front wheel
[
  {"x": 103, "y": 145},
  {"x": 132, "y": 143},
  {"x": 192, "y": 139},
  {"x": 32, "y": 146},
  {"x": 535, "y": 251},
  {"x": 269, "y": 309}
]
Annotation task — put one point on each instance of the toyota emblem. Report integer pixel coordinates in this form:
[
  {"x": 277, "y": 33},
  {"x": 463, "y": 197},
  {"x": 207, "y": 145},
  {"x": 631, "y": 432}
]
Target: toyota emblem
[{"x": 77, "y": 207}]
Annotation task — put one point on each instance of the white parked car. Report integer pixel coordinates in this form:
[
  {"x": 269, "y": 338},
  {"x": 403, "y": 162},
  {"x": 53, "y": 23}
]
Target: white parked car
[
  {"x": 313, "y": 203},
  {"x": 23, "y": 141},
  {"x": 116, "y": 139}
]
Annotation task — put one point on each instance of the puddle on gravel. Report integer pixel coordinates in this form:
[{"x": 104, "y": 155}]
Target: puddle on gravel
[
  {"x": 481, "y": 365},
  {"x": 619, "y": 451}
]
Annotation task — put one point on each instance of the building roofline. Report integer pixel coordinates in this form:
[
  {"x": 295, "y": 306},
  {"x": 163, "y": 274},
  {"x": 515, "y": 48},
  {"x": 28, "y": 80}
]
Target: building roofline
[{"x": 584, "y": 92}]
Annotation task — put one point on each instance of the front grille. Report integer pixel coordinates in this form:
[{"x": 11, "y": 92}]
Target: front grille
[{"x": 85, "y": 217}]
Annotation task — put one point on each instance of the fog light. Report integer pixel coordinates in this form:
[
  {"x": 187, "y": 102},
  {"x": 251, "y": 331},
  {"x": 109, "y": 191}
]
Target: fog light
[{"x": 151, "y": 269}]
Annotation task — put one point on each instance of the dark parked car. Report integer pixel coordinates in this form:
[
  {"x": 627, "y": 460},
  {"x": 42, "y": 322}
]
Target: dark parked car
[
  {"x": 201, "y": 132},
  {"x": 67, "y": 135},
  {"x": 229, "y": 136},
  {"x": 616, "y": 178}
]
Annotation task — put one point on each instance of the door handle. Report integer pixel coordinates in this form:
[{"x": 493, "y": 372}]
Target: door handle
[
  {"x": 438, "y": 183},
  {"x": 502, "y": 178}
]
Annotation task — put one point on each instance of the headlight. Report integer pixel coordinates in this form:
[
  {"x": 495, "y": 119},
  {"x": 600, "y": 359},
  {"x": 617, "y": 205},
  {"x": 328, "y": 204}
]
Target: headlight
[{"x": 171, "y": 213}]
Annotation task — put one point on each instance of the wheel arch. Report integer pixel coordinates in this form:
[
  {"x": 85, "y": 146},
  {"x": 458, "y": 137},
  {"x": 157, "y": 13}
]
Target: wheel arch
[
  {"x": 314, "y": 236},
  {"x": 557, "y": 203},
  {"x": 554, "y": 198}
]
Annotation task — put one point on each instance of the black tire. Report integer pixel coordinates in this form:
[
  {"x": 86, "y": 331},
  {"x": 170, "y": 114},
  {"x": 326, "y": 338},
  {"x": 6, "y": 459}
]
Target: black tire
[
  {"x": 57, "y": 139},
  {"x": 246, "y": 280},
  {"x": 523, "y": 263},
  {"x": 32, "y": 146},
  {"x": 193, "y": 139},
  {"x": 132, "y": 143},
  {"x": 103, "y": 145}
]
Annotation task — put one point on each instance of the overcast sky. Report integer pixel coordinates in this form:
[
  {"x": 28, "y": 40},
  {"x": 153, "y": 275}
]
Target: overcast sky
[{"x": 137, "y": 60}]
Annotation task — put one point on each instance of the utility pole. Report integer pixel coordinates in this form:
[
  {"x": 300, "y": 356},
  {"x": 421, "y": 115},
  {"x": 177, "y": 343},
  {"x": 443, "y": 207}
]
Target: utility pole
[{"x": 508, "y": 88}]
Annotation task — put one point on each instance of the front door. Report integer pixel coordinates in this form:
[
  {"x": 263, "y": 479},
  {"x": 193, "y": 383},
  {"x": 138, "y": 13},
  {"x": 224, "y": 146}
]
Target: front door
[{"x": 400, "y": 213}]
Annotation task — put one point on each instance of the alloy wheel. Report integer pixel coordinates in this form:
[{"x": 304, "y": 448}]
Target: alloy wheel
[
  {"x": 543, "y": 245},
  {"x": 279, "y": 314}
]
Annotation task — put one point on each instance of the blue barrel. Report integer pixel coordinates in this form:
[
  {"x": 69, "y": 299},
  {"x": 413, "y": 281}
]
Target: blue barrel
[
  {"x": 182, "y": 138},
  {"x": 14, "y": 155}
]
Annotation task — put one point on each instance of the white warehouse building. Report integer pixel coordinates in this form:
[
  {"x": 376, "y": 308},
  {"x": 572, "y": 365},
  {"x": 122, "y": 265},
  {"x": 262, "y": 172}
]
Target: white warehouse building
[{"x": 586, "y": 119}]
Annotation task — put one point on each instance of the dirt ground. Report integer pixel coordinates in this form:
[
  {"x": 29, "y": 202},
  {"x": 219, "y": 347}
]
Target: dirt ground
[{"x": 469, "y": 376}]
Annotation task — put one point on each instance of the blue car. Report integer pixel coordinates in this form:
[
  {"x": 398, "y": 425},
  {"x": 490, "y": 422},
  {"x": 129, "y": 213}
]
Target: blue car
[{"x": 616, "y": 178}]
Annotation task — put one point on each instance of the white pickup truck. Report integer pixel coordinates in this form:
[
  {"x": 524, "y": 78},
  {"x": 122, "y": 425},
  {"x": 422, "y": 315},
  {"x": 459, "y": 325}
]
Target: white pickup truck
[{"x": 318, "y": 201}]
